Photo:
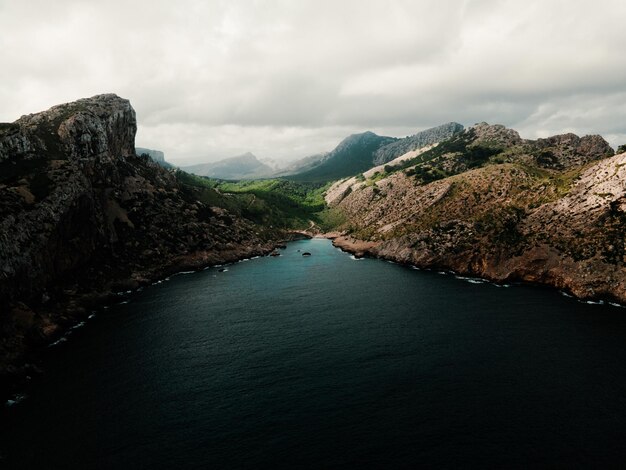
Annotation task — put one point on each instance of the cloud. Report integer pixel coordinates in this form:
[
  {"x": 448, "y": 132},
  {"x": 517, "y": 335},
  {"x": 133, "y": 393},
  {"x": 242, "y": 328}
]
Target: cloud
[{"x": 284, "y": 79}]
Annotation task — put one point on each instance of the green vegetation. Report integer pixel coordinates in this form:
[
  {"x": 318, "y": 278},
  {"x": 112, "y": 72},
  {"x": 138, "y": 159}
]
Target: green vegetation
[
  {"x": 450, "y": 157},
  {"x": 275, "y": 203},
  {"x": 352, "y": 156}
]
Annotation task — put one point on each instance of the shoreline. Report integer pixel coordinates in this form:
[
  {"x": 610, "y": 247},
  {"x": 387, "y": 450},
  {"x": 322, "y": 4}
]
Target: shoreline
[
  {"x": 77, "y": 310},
  {"x": 73, "y": 312},
  {"x": 361, "y": 248}
]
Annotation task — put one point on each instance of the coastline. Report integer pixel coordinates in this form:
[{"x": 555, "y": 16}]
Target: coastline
[
  {"x": 22, "y": 367},
  {"x": 361, "y": 248}
]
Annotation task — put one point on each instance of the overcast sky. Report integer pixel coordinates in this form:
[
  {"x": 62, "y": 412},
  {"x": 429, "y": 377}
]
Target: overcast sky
[{"x": 289, "y": 78}]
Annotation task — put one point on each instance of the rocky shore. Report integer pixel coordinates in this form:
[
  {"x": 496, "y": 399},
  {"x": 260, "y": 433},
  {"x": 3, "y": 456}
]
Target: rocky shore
[
  {"x": 557, "y": 273},
  {"x": 84, "y": 218}
]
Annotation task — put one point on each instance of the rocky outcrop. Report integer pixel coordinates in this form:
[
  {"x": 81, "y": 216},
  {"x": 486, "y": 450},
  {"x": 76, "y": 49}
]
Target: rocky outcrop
[
  {"x": 416, "y": 141},
  {"x": 568, "y": 150},
  {"x": 495, "y": 135},
  {"x": 83, "y": 216}
]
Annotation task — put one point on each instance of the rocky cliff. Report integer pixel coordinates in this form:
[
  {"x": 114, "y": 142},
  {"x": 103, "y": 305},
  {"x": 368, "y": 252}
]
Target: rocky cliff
[
  {"x": 82, "y": 216},
  {"x": 416, "y": 141},
  {"x": 487, "y": 203}
]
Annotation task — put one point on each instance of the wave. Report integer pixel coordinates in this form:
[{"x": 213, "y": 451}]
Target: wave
[
  {"x": 15, "y": 400},
  {"x": 62, "y": 339}
]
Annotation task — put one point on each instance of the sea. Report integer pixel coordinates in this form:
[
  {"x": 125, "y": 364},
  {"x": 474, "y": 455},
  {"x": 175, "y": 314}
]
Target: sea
[{"x": 328, "y": 361}]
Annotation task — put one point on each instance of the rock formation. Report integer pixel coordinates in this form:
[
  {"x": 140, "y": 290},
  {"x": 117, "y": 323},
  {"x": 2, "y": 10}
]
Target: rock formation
[
  {"x": 415, "y": 142},
  {"x": 82, "y": 216}
]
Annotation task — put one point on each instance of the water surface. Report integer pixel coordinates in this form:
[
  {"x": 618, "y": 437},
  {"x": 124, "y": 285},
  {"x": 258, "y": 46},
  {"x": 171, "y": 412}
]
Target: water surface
[{"x": 328, "y": 362}]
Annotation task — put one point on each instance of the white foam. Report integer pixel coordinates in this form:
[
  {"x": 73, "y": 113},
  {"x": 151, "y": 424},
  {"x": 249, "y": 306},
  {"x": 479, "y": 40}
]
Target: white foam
[
  {"x": 124, "y": 302},
  {"x": 62, "y": 339},
  {"x": 78, "y": 325},
  {"x": 15, "y": 400},
  {"x": 93, "y": 315},
  {"x": 615, "y": 304},
  {"x": 594, "y": 302},
  {"x": 355, "y": 258}
]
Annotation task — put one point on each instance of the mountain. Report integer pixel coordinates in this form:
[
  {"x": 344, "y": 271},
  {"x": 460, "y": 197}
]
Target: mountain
[
  {"x": 84, "y": 217},
  {"x": 156, "y": 155},
  {"x": 360, "y": 152},
  {"x": 487, "y": 203},
  {"x": 302, "y": 165},
  {"x": 416, "y": 141},
  {"x": 353, "y": 155},
  {"x": 246, "y": 166}
]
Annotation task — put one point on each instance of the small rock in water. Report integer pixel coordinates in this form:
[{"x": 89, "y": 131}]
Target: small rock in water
[{"x": 306, "y": 253}]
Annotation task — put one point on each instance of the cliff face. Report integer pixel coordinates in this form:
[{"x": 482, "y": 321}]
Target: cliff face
[
  {"x": 416, "y": 141},
  {"x": 82, "y": 216},
  {"x": 506, "y": 216}
]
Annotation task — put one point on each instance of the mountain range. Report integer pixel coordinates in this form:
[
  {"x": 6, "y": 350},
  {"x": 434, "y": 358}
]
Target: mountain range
[
  {"x": 246, "y": 166},
  {"x": 488, "y": 203},
  {"x": 355, "y": 154}
]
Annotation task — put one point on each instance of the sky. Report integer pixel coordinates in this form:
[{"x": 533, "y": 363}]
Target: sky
[{"x": 289, "y": 78}]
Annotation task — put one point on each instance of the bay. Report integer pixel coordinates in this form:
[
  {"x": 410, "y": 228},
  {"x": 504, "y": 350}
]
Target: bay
[{"x": 330, "y": 362}]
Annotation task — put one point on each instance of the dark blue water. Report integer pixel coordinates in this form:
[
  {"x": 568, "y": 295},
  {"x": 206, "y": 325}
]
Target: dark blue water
[{"x": 328, "y": 362}]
